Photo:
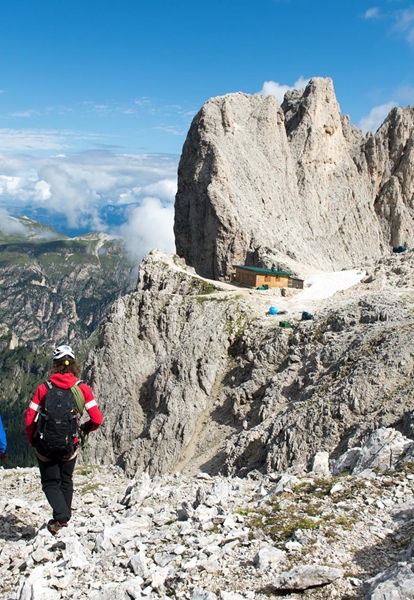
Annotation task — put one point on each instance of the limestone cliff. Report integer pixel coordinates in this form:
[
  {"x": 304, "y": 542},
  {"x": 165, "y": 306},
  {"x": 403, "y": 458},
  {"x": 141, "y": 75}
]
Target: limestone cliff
[
  {"x": 195, "y": 377},
  {"x": 294, "y": 183},
  {"x": 160, "y": 363},
  {"x": 193, "y": 373}
]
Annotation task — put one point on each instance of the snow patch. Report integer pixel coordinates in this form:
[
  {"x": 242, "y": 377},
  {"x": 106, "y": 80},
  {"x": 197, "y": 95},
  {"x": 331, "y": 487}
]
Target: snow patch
[{"x": 324, "y": 285}]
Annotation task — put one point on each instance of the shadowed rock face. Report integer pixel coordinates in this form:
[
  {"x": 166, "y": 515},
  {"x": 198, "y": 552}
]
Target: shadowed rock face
[
  {"x": 190, "y": 377},
  {"x": 295, "y": 183}
]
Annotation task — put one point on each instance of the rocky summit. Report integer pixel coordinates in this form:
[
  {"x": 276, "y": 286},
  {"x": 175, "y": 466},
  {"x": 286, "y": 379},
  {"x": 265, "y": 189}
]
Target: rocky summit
[{"x": 294, "y": 184}]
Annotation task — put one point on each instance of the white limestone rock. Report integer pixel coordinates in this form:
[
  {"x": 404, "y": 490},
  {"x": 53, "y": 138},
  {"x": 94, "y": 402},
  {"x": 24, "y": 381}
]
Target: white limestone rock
[
  {"x": 382, "y": 451},
  {"x": 269, "y": 556},
  {"x": 320, "y": 466},
  {"x": 397, "y": 583},
  {"x": 200, "y": 594},
  {"x": 249, "y": 166},
  {"x": 306, "y": 576},
  {"x": 75, "y": 555},
  {"x": 285, "y": 483},
  {"x": 346, "y": 462},
  {"x": 138, "y": 564}
]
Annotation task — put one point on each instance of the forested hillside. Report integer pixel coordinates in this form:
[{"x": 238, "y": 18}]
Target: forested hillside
[{"x": 53, "y": 289}]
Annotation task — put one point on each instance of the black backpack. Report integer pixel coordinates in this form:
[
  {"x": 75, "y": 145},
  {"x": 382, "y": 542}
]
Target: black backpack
[{"x": 57, "y": 426}]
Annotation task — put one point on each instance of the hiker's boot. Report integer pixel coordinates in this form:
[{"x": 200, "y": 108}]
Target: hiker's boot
[{"x": 54, "y": 526}]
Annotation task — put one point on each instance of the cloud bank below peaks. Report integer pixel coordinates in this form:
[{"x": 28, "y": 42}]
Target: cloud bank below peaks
[
  {"x": 122, "y": 194},
  {"x": 9, "y": 225},
  {"x": 149, "y": 225}
]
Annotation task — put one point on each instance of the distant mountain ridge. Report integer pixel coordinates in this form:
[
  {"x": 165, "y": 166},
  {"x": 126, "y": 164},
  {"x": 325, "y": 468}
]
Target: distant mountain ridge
[
  {"x": 58, "y": 288},
  {"x": 113, "y": 215}
]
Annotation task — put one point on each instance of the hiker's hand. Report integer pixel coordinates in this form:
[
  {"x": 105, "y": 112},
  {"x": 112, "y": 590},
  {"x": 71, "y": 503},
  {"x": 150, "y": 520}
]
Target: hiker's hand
[
  {"x": 3, "y": 455},
  {"x": 86, "y": 427}
]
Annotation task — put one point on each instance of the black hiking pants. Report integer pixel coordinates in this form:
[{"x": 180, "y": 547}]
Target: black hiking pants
[{"x": 57, "y": 483}]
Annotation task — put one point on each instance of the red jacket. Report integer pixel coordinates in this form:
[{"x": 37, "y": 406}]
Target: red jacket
[{"x": 66, "y": 381}]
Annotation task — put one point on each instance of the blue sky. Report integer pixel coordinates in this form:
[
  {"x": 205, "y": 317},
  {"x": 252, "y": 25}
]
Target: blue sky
[{"x": 96, "y": 96}]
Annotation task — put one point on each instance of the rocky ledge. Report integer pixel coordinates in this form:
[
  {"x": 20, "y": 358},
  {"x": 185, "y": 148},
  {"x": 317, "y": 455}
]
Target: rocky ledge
[{"x": 199, "y": 537}]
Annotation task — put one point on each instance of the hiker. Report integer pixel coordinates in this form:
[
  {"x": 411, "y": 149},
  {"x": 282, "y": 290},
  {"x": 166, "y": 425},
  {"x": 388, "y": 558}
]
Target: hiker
[
  {"x": 56, "y": 436},
  {"x": 3, "y": 442}
]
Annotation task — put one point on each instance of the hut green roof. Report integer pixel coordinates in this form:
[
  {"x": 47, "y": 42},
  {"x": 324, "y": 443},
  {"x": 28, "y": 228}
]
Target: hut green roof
[{"x": 261, "y": 271}]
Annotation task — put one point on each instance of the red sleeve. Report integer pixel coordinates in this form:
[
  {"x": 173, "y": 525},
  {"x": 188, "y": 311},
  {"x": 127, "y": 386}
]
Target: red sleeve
[
  {"x": 32, "y": 412},
  {"x": 95, "y": 415}
]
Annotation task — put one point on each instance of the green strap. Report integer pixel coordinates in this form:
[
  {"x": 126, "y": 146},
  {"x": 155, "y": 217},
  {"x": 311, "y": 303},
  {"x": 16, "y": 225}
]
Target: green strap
[{"x": 79, "y": 399}]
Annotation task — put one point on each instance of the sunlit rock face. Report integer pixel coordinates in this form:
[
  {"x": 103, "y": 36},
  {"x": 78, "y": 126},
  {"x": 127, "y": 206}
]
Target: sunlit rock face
[
  {"x": 294, "y": 183},
  {"x": 193, "y": 373}
]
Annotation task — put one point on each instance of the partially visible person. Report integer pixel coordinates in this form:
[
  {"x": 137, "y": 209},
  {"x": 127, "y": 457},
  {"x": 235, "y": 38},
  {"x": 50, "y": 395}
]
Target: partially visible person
[
  {"x": 3, "y": 442},
  {"x": 56, "y": 440}
]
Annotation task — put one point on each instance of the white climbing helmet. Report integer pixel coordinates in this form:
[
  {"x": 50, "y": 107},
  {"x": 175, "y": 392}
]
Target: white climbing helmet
[{"x": 62, "y": 351}]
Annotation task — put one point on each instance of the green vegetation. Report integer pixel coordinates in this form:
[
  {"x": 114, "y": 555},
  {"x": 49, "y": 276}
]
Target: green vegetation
[
  {"x": 50, "y": 283},
  {"x": 22, "y": 370},
  {"x": 207, "y": 298},
  {"x": 280, "y": 524},
  {"x": 89, "y": 487},
  {"x": 200, "y": 287},
  {"x": 305, "y": 508},
  {"x": 407, "y": 468}
]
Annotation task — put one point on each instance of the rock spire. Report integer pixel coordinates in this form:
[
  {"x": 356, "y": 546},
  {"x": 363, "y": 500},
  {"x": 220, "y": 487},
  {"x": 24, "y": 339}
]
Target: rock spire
[{"x": 295, "y": 182}]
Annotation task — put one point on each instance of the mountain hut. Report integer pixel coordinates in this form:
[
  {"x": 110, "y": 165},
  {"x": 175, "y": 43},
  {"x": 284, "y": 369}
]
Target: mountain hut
[{"x": 258, "y": 277}]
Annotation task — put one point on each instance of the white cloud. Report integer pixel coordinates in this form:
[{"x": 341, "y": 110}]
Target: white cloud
[
  {"x": 372, "y": 13},
  {"x": 174, "y": 129},
  {"x": 406, "y": 94},
  {"x": 273, "y": 88},
  {"x": 25, "y": 113},
  {"x": 10, "y": 185},
  {"x": 73, "y": 198},
  {"x": 149, "y": 226},
  {"x": 11, "y": 225},
  {"x": 405, "y": 24},
  {"x": 42, "y": 191},
  {"x": 13, "y": 140},
  {"x": 165, "y": 189},
  {"x": 80, "y": 187},
  {"x": 142, "y": 101},
  {"x": 376, "y": 117}
]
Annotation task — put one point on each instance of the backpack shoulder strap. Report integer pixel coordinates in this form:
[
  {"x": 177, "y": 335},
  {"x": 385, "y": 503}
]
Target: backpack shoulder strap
[{"x": 79, "y": 399}]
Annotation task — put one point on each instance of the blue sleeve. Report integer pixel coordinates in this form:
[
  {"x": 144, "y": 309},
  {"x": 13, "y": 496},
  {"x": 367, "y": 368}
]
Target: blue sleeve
[{"x": 3, "y": 441}]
